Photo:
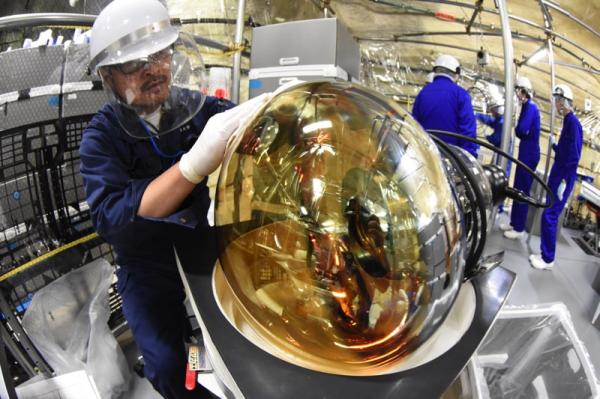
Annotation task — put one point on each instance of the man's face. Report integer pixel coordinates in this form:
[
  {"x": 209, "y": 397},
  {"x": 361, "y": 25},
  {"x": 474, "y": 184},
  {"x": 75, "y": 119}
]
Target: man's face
[
  {"x": 142, "y": 83},
  {"x": 521, "y": 94},
  {"x": 560, "y": 105}
]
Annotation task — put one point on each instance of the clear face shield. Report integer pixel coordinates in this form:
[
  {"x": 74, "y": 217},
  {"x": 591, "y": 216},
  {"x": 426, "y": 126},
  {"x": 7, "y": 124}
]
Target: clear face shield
[
  {"x": 159, "y": 92},
  {"x": 562, "y": 104}
]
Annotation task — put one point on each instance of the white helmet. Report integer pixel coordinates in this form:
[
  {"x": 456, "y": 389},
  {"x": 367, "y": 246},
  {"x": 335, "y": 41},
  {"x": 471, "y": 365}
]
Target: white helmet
[
  {"x": 563, "y": 91},
  {"x": 498, "y": 104},
  {"x": 448, "y": 62},
  {"x": 524, "y": 83},
  {"x": 160, "y": 85},
  {"x": 126, "y": 30}
]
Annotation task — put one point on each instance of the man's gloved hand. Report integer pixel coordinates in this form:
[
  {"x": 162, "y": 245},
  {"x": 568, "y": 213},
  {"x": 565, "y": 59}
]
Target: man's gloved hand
[
  {"x": 561, "y": 189},
  {"x": 207, "y": 152}
]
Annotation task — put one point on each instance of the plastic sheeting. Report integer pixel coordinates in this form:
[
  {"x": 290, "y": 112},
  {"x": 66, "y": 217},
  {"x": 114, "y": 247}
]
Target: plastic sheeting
[
  {"x": 534, "y": 352},
  {"x": 67, "y": 322}
]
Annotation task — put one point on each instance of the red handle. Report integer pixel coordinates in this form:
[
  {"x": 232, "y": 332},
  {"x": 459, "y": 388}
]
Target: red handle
[{"x": 190, "y": 378}]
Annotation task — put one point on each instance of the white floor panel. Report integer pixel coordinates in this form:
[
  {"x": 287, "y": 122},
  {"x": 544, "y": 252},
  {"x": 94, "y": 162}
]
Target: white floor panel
[{"x": 569, "y": 282}]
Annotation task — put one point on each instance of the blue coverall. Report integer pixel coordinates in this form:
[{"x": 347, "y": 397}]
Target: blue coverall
[
  {"x": 116, "y": 169},
  {"x": 444, "y": 105},
  {"x": 568, "y": 153},
  {"x": 496, "y": 123},
  {"x": 528, "y": 131}
]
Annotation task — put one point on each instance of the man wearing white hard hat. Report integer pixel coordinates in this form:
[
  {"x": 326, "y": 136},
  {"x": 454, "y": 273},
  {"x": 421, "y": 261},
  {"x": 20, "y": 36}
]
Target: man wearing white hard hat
[
  {"x": 528, "y": 132},
  {"x": 444, "y": 105},
  {"x": 144, "y": 159},
  {"x": 562, "y": 175}
]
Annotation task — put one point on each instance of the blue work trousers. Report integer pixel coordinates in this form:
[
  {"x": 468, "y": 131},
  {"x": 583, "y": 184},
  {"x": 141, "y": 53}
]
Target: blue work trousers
[
  {"x": 153, "y": 307},
  {"x": 518, "y": 214},
  {"x": 551, "y": 215}
]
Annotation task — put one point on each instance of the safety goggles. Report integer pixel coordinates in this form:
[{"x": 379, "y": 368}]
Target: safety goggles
[{"x": 134, "y": 66}]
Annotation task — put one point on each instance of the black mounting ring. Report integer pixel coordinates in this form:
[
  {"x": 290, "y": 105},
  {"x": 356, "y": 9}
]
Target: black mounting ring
[{"x": 510, "y": 191}]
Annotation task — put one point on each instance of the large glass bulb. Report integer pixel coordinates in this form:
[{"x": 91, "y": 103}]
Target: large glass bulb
[{"x": 339, "y": 232}]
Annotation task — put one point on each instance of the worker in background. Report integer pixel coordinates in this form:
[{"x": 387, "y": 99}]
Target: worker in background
[
  {"x": 496, "y": 122},
  {"x": 444, "y": 105},
  {"x": 562, "y": 175},
  {"x": 528, "y": 132},
  {"x": 144, "y": 159}
]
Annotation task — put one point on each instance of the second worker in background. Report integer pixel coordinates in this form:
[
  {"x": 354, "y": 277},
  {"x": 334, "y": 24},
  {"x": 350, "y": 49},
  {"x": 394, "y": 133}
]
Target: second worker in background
[
  {"x": 444, "y": 105},
  {"x": 528, "y": 132},
  {"x": 562, "y": 175}
]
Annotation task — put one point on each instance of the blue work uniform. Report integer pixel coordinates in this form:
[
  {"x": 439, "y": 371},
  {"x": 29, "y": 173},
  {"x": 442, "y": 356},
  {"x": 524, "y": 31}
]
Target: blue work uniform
[
  {"x": 117, "y": 168},
  {"x": 444, "y": 105},
  {"x": 496, "y": 123},
  {"x": 528, "y": 131},
  {"x": 568, "y": 154}
]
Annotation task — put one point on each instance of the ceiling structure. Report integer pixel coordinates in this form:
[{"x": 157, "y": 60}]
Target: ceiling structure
[{"x": 400, "y": 39}]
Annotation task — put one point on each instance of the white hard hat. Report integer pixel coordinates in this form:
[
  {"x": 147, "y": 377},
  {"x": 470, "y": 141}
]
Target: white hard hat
[
  {"x": 126, "y": 30},
  {"x": 448, "y": 62},
  {"x": 523, "y": 82},
  {"x": 498, "y": 103},
  {"x": 563, "y": 91}
]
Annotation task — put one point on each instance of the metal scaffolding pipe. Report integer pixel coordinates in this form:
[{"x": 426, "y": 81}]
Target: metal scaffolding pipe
[
  {"x": 237, "y": 57},
  {"x": 509, "y": 76},
  {"x": 571, "y": 16},
  {"x": 548, "y": 24},
  {"x": 50, "y": 19}
]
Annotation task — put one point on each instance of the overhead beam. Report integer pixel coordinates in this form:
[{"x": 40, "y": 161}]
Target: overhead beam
[
  {"x": 468, "y": 49},
  {"x": 532, "y": 55},
  {"x": 48, "y": 19},
  {"x": 571, "y": 16},
  {"x": 522, "y": 20},
  {"x": 476, "y": 11}
]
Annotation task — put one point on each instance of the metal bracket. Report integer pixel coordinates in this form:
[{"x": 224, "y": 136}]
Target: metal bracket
[
  {"x": 476, "y": 11},
  {"x": 530, "y": 56}
]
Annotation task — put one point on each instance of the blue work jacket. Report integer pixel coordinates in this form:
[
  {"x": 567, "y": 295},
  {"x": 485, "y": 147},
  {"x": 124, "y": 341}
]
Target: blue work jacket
[
  {"x": 568, "y": 148},
  {"x": 495, "y": 123},
  {"x": 116, "y": 170},
  {"x": 444, "y": 105},
  {"x": 528, "y": 131}
]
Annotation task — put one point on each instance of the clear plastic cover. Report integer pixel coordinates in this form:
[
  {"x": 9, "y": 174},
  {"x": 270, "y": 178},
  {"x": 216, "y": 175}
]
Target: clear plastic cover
[
  {"x": 339, "y": 232},
  {"x": 534, "y": 352},
  {"x": 68, "y": 323}
]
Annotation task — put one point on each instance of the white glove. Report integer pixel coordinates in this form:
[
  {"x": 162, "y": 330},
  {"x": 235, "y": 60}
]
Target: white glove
[
  {"x": 561, "y": 189},
  {"x": 207, "y": 152}
]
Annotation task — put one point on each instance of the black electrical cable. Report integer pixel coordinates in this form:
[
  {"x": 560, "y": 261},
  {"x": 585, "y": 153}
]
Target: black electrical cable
[{"x": 510, "y": 191}]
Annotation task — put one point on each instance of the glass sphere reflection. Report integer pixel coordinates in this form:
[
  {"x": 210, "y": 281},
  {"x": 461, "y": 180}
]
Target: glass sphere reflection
[{"x": 339, "y": 232}]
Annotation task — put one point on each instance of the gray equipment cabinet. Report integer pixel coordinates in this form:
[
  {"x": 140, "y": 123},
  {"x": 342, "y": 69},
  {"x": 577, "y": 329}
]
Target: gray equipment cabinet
[{"x": 307, "y": 50}]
